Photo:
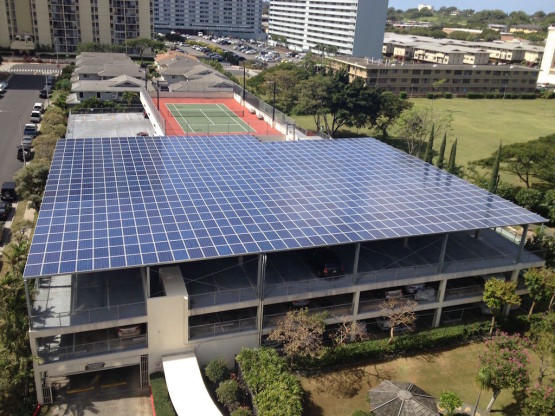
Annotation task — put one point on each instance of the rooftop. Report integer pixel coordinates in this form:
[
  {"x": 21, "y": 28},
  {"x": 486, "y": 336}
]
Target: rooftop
[{"x": 135, "y": 201}]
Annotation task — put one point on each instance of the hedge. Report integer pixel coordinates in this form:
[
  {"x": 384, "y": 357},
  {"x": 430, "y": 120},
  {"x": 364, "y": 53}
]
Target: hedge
[
  {"x": 379, "y": 350},
  {"x": 448, "y": 95},
  {"x": 403, "y": 95},
  {"x": 275, "y": 391}
]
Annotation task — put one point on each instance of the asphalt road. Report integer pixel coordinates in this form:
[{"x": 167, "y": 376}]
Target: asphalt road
[{"x": 22, "y": 93}]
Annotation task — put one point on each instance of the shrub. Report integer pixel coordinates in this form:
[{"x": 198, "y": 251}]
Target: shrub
[
  {"x": 529, "y": 198},
  {"x": 216, "y": 370},
  {"x": 430, "y": 95},
  {"x": 450, "y": 401},
  {"x": 474, "y": 95},
  {"x": 228, "y": 393},
  {"x": 448, "y": 95},
  {"x": 241, "y": 411},
  {"x": 269, "y": 381},
  {"x": 403, "y": 95},
  {"x": 528, "y": 96}
]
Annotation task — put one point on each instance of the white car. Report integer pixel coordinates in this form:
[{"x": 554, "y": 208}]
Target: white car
[
  {"x": 36, "y": 117},
  {"x": 38, "y": 107},
  {"x": 410, "y": 289},
  {"x": 425, "y": 294}
]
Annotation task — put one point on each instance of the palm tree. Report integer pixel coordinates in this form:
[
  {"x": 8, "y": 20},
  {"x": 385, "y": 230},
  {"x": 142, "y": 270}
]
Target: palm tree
[{"x": 483, "y": 379}]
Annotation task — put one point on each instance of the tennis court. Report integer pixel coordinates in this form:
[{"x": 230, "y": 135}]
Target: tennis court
[{"x": 205, "y": 118}]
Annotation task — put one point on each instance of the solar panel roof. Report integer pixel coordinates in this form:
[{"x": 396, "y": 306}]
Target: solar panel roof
[{"x": 135, "y": 201}]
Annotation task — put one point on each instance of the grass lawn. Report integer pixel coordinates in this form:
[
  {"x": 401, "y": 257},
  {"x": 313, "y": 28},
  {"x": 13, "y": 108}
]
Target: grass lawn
[
  {"x": 162, "y": 402},
  {"x": 480, "y": 125},
  {"x": 340, "y": 393}
]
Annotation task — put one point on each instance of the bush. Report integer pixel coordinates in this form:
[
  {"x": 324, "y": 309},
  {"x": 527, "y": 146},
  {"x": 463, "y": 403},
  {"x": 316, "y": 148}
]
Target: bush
[
  {"x": 216, "y": 371},
  {"x": 528, "y": 96},
  {"x": 474, "y": 95},
  {"x": 241, "y": 411},
  {"x": 403, "y": 95},
  {"x": 507, "y": 191},
  {"x": 228, "y": 393},
  {"x": 448, "y": 95},
  {"x": 450, "y": 401},
  {"x": 269, "y": 381},
  {"x": 430, "y": 95},
  {"x": 529, "y": 198}
]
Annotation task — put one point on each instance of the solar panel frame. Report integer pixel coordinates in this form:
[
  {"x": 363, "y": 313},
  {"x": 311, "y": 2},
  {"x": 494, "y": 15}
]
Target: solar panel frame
[{"x": 137, "y": 201}]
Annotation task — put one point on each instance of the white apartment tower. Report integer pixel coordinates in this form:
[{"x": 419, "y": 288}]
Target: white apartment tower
[
  {"x": 547, "y": 69},
  {"x": 238, "y": 18},
  {"x": 353, "y": 27}
]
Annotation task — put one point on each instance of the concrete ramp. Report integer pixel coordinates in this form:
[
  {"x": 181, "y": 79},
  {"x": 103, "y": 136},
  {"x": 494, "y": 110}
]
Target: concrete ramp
[{"x": 186, "y": 386}]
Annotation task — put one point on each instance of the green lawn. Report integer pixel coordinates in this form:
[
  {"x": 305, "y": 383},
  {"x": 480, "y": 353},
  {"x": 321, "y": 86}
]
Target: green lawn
[
  {"x": 480, "y": 125},
  {"x": 341, "y": 392}
]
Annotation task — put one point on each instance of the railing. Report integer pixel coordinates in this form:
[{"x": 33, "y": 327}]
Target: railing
[
  {"x": 222, "y": 328},
  {"x": 152, "y": 111},
  {"x": 201, "y": 129},
  {"x": 52, "y": 354},
  {"x": 271, "y": 320},
  {"x": 222, "y": 297},
  {"x": 463, "y": 292},
  {"x": 398, "y": 275},
  {"x": 103, "y": 110},
  {"x": 51, "y": 320}
]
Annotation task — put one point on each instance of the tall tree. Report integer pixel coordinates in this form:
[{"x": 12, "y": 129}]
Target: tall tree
[
  {"x": 399, "y": 313},
  {"x": 441, "y": 155},
  {"x": 429, "y": 155},
  {"x": 391, "y": 107},
  {"x": 504, "y": 364},
  {"x": 31, "y": 181},
  {"x": 541, "y": 286},
  {"x": 142, "y": 44},
  {"x": 313, "y": 93},
  {"x": 542, "y": 335},
  {"x": 492, "y": 184},
  {"x": 497, "y": 294},
  {"x": 452, "y": 167}
]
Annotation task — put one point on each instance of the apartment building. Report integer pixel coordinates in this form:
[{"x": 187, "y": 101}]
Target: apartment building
[
  {"x": 148, "y": 247},
  {"x": 547, "y": 69},
  {"x": 237, "y": 18},
  {"x": 405, "y": 47},
  {"x": 352, "y": 27},
  {"x": 417, "y": 79},
  {"x": 64, "y": 24}
]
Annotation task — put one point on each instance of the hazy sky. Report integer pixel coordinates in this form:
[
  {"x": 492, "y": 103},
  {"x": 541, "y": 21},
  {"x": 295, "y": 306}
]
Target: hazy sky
[{"x": 506, "y": 5}]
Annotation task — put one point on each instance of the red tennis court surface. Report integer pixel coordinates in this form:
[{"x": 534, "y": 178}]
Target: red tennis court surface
[{"x": 174, "y": 129}]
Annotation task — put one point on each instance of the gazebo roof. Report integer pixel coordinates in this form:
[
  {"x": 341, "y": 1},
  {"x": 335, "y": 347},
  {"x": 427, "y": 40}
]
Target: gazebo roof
[{"x": 394, "y": 398}]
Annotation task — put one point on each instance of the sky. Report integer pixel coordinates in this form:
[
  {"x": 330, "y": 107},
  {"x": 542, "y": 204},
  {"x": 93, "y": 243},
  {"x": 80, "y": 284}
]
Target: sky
[{"x": 506, "y": 5}]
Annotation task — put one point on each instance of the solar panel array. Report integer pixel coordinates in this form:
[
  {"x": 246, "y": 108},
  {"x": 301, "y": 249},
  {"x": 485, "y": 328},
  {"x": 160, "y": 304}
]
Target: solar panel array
[{"x": 135, "y": 201}]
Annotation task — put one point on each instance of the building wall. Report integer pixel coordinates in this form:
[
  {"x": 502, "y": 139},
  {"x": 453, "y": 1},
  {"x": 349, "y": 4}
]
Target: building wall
[
  {"x": 239, "y": 18},
  {"x": 4, "y": 25},
  {"x": 353, "y": 27},
  {"x": 547, "y": 69}
]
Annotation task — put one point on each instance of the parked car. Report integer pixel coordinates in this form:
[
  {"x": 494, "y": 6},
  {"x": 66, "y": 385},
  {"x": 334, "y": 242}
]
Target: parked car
[
  {"x": 30, "y": 129},
  {"x": 326, "y": 263},
  {"x": 383, "y": 324},
  {"x": 5, "y": 208},
  {"x": 50, "y": 80},
  {"x": 8, "y": 192},
  {"x": 425, "y": 294},
  {"x": 392, "y": 294},
  {"x": 27, "y": 142},
  {"x": 410, "y": 289},
  {"x": 24, "y": 153},
  {"x": 4, "y": 85},
  {"x": 38, "y": 107},
  {"x": 36, "y": 116},
  {"x": 129, "y": 331},
  {"x": 46, "y": 92},
  {"x": 487, "y": 312}
]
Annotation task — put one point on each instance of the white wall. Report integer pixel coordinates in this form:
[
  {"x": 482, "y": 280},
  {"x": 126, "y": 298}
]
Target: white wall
[{"x": 548, "y": 60}]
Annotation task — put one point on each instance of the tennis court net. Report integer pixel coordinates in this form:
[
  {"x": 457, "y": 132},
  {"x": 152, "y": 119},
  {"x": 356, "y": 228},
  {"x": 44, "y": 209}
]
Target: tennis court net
[{"x": 206, "y": 113}]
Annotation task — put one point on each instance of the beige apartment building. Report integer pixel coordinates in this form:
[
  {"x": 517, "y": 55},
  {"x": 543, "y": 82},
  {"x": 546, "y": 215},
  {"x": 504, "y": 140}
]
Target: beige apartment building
[
  {"x": 63, "y": 24},
  {"x": 421, "y": 78}
]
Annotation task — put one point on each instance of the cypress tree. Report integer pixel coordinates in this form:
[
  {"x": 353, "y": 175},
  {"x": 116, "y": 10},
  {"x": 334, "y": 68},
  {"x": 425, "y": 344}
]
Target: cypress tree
[
  {"x": 492, "y": 185},
  {"x": 428, "y": 157},
  {"x": 441, "y": 156},
  {"x": 451, "y": 167}
]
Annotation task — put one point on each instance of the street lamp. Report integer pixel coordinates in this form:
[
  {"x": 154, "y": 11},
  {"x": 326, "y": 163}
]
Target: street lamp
[{"x": 20, "y": 132}]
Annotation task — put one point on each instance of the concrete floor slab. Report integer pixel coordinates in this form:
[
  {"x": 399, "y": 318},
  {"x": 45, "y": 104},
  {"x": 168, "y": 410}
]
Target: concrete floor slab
[{"x": 113, "y": 125}]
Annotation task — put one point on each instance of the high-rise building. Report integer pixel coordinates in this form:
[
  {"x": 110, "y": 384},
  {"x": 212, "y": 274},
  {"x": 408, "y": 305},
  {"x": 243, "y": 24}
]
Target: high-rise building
[
  {"x": 238, "y": 18},
  {"x": 350, "y": 27},
  {"x": 547, "y": 69},
  {"x": 64, "y": 24}
]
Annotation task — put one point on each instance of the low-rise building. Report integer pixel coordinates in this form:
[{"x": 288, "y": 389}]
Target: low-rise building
[{"x": 418, "y": 78}]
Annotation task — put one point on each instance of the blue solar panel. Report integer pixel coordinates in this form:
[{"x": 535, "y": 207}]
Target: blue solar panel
[{"x": 125, "y": 202}]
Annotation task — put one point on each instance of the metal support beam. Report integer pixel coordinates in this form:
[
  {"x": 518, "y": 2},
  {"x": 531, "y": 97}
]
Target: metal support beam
[
  {"x": 259, "y": 321},
  {"x": 406, "y": 242},
  {"x": 147, "y": 282},
  {"x": 442, "y": 254},
  {"x": 356, "y": 302},
  {"x": 28, "y": 299},
  {"x": 441, "y": 296},
  {"x": 355, "y": 263},
  {"x": 261, "y": 275},
  {"x": 522, "y": 242},
  {"x": 476, "y": 234}
]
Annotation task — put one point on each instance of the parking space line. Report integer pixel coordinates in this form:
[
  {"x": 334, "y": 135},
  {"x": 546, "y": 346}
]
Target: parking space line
[{"x": 74, "y": 391}]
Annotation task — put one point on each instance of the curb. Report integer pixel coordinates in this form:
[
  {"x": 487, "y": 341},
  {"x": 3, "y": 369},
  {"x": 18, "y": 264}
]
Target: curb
[{"x": 151, "y": 401}]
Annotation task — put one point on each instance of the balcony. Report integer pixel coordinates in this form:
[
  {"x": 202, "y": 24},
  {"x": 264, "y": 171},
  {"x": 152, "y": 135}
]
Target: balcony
[
  {"x": 74, "y": 346},
  {"x": 386, "y": 263},
  {"x": 223, "y": 323},
  {"x": 64, "y": 301}
]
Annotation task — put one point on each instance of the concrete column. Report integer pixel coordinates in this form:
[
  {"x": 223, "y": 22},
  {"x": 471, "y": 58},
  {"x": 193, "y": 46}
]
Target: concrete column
[
  {"x": 260, "y": 321},
  {"x": 261, "y": 274},
  {"x": 522, "y": 242},
  {"x": 476, "y": 234},
  {"x": 356, "y": 301},
  {"x": 147, "y": 282},
  {"x": 240, "y": 260},
  {"x": 442, "y": 253},
  {"x": 355, "y": 263},
  {"x": 38, "y": 387},
  {"x": 28, "y": 300},
  {"x": 441, "y": 296},
  {"x": 406, "y": 242}
]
